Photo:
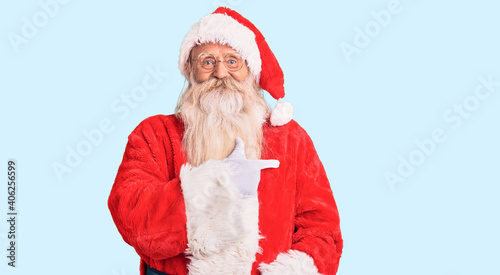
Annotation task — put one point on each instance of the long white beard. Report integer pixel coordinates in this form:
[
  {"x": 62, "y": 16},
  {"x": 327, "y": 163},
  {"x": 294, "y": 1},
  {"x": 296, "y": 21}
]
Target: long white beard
[{"x": 217, "y": 111}]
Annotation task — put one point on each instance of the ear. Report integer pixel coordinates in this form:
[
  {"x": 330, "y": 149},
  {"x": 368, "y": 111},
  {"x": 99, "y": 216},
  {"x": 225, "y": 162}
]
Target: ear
[{"x": 187, "y": 66}]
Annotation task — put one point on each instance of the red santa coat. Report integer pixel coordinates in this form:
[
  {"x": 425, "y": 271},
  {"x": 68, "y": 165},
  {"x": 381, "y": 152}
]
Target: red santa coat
[{"x": 185, "y": 220}]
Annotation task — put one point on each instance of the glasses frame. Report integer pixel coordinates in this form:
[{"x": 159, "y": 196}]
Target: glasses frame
[{"x": 218, "y": 61}]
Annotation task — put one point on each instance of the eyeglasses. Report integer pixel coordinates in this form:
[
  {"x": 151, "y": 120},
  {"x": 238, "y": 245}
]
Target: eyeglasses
[{"x": 207, "y": 62}]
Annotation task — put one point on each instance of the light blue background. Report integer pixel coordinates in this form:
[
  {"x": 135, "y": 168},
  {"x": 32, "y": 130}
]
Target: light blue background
[{"x": 362, "y": 116}]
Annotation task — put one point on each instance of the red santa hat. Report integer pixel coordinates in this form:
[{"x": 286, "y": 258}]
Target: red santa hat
[{"x": 227, "y": 27}]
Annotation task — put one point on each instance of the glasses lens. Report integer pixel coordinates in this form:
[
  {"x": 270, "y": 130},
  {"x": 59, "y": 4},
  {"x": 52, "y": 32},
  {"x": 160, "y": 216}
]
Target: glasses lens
[
  {"x": 207, "y": 62},
  {"x": 233, "y": 62}
]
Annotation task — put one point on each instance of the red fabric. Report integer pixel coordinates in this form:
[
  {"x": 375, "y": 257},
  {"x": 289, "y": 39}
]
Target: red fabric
[
  {"x": 271, "y": 75},
  {"x": 297, "y": 209}
]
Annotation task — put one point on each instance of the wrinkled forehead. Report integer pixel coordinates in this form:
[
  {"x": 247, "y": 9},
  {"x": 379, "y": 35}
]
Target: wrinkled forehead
[{"x": 216, "y": 49}]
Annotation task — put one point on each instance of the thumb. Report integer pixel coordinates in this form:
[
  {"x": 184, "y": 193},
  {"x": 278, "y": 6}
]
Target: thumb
[
  {"x": 265, "y": 163},
  {"x": 239, "y": 150}
]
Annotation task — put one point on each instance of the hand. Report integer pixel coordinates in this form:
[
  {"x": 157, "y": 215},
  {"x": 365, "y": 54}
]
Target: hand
[{"x": 246, "y": 172}]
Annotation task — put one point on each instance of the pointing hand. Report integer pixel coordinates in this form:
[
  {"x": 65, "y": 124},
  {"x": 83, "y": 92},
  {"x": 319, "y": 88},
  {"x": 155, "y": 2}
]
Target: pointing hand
[{"x": 246, "y": 172}]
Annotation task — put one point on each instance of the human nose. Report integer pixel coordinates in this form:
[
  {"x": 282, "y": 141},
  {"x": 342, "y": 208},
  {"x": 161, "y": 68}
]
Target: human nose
[{"x": 220, "y": 70}]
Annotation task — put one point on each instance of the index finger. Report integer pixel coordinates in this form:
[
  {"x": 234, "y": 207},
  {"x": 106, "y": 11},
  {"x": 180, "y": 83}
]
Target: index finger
[{"x": 266, "y": 163}]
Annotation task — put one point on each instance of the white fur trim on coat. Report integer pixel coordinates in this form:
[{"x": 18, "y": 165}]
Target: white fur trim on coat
[
  {"x": 223, "y": 29},
  {"x": 222, "y": 226},
  {"x": 290, "y": 263}
]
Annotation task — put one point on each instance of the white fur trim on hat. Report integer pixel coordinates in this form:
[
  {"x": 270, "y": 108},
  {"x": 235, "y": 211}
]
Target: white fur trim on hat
[
  {"x": 223, "y": 29},
  {"x": 222, "y": 226},
  {"x": 293, "y": 262}
]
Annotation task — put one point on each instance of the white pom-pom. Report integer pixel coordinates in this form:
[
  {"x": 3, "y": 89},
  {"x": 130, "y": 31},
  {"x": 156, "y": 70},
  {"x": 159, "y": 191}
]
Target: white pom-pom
[{"x": 282, "y": 113}]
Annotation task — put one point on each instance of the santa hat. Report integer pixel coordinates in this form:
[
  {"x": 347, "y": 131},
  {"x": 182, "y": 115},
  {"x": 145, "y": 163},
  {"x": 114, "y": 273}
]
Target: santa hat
[{"x": 227, "y": 27}]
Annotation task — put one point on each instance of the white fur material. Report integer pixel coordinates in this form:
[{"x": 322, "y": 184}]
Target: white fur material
[
  {"x": 222, "y": 226},
  {"x": 290, "y": 263},
  {"x": 223, "y": 29},
  {"x": 282, "y": 113}
]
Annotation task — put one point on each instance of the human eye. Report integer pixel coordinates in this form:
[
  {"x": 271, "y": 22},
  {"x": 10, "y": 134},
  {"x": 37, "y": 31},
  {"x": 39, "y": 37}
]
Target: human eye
[
  {"x": 207, "y": 62},
  {"x": 233, "y": 60}
]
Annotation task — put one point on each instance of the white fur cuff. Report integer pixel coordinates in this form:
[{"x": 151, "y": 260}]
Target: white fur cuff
[{"x": 290, "y": 263}]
